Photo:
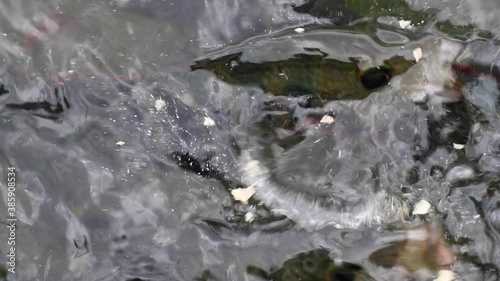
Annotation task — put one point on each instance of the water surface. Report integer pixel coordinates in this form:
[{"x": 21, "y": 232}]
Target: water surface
[{"x": 104, "y": 109}]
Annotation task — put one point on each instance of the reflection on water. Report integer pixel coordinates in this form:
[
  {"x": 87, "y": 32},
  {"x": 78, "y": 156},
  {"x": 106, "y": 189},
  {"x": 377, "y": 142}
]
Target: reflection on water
[{"x": 130, "y": 123}]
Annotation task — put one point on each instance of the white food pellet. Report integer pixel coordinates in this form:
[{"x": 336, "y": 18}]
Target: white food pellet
[
  {"x": 209, "y": 122},
  {"x": 299, "y": 30},
  {"x": 458, "y": 146},
  {"x": 243, "y": 194},
  {"x": 422, "y": 208},
  {"x": 327, "y": 119},
  {"x": 159, "y": 104},
  {"x": 120, "y": 143},
  {"x": 417, "y": 54},
  {"x": 404, "y": 23}
]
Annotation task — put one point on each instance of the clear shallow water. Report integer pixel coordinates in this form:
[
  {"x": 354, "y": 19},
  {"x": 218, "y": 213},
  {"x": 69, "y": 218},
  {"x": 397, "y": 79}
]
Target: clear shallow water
[{"x": 100, "y": 195}]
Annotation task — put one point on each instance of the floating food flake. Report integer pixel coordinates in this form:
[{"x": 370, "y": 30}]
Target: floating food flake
[
  {"x": 404, "y": 23},
  {"x": 458, "y": 146},
  {"x": 422, "y": 208},
  {"x": 159, "y": 104},
  {"x": 327, "y": 119},
  {"x": 299, "y": 30},
  {"x": 417, "y": 54},
  {"x": 209, "y": 122},
  {"x": 243, "y": 194},
  {"x": 120, "y": 143}
]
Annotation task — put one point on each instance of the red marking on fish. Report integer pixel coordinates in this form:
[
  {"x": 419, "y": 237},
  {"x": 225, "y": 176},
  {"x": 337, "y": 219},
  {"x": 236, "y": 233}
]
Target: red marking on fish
[
  {"x": 472, "y": 71},
  {"x": 462, "y": 68}
]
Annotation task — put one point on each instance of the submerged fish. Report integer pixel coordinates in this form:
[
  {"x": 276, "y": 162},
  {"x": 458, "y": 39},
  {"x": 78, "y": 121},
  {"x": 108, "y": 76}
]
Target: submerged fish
[
  {"x": 347, "y": 11},
  {"x": 337, "y": 11},
  {"x": 351, "y": 174},
  {"x": 306, "y": 74},
  {"x": 316, "y": 265},
  {"x": 417, "y": 250},
  {"x": 421, "y": 248},
  {"x": 399, "y": 13},
  {"x": 330, "y": 190}
]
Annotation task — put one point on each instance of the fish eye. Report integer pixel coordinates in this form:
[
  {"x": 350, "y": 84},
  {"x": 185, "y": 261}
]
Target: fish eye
[
  {"x": 376, "y": 77},
  {"x": 343, "y": 276}
]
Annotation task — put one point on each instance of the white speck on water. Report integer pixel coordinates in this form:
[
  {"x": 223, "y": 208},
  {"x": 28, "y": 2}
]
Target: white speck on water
[
  {"x": 120, "y": 143},
  {"x": 458, "y": 146},
  {"x": 404, "y": 23},
  {"x": 327, "y": 119},
  {"x": 422, "y": 207},
  {"x": 417, "y": 54},
  {"x": 283, "y": 74},
  {"x": 299, "y": 30},
  {"x": 209, "y": 122},
  {"x": 243, "y": 194},
  {"x": 159, "y": 104}
]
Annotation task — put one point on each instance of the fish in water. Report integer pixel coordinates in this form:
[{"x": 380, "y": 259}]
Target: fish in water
[
  {"x": 411, "y": 249},
  {"x": 342, "y": 12},
  {"x": 336, "y": 11},
  {"x": 353, "y": 176},
  {"x": 421, "y": 249},
  {"x": 433, "y": 80},
  {"x": 306, "y": 74},
  {"x": 317, "y": 265}
]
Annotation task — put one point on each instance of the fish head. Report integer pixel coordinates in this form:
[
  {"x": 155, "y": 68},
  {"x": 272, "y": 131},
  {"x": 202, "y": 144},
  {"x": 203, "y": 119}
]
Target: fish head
[{"x": 432, "y": 80}]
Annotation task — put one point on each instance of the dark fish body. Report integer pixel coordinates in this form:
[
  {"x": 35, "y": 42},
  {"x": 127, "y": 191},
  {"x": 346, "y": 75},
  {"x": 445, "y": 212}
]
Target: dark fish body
[
  {"x": 336, "y": 11},
  {"x": 343, "y": 12},
  {"x": 302, "y": 74},
  {"x": 316, "y": 265}
]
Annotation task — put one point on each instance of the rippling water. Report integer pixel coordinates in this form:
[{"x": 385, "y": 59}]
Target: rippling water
[{"x": 132, "y": 124}]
